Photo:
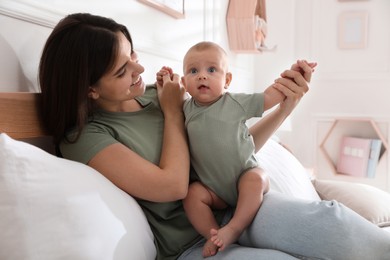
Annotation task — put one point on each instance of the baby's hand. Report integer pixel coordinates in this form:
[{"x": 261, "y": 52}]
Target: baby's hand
[
  {"x": 163, "y": 71},
  {"x": 305, "y": 68}
]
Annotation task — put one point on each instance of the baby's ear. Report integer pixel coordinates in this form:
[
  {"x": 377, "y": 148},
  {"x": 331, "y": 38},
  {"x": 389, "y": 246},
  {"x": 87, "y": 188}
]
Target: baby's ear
[
  {"x": 228, "y": 77},
  {"x": 183, "y": 83}
]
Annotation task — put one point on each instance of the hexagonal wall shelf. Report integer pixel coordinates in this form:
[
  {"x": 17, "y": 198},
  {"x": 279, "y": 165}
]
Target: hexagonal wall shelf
[{"x": 362, "y": 127}]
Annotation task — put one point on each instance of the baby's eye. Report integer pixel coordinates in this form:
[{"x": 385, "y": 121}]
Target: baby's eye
[
  {"x": 212, "y": 69},
  {"x": 193, "y": 71}
]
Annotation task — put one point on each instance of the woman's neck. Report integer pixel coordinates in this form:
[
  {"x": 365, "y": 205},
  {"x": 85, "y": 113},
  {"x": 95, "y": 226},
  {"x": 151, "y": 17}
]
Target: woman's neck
[{"x": 125, "y": 106}]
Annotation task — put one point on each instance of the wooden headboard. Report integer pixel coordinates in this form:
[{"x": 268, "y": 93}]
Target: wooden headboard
[{"x": 19, "y": 118}]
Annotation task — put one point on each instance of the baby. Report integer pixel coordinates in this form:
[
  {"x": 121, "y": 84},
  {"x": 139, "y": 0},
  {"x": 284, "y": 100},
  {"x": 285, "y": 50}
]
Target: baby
[{"x": 221, "y": 147}]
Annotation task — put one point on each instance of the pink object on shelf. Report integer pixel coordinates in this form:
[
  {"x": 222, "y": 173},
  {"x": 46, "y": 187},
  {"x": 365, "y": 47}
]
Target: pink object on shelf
[{"x": 354, "y": 155}]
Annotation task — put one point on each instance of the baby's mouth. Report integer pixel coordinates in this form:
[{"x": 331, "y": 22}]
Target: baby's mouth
[{"x": 203, "y": 87}]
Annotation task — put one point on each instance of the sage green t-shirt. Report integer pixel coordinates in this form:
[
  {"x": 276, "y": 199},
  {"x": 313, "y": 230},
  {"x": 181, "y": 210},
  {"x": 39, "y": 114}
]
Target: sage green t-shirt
[
  {"x": 142, "y": 132},
  {"x": 220, "y": 143}
]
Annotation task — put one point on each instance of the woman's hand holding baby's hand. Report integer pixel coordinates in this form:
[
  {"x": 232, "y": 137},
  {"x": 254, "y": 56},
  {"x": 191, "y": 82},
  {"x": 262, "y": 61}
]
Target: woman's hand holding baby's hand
[
  {"x": 163, "y": 71},
  {"x": 294, "y": 83},
  {"x": 171, "y": 94}
]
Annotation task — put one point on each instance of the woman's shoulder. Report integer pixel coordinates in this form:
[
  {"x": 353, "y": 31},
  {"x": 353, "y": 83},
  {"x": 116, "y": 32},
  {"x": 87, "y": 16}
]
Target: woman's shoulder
[
  {"x": 93, "y": 138},
  {"x": 151, "y": 88},
  {"x": 149, "y": 96},
  {"x": 150, "y": 91}
]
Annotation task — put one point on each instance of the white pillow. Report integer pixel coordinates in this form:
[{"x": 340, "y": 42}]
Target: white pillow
[
  {"x": 286, "y": 173},
  {"x": 52, "y": 208},
  {"x": 370, "y": 202}
]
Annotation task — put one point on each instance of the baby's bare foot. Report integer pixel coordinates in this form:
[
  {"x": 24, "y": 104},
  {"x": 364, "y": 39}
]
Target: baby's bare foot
[
  {"x": 224, "y": 237},
  {"x": 209, "y": 249}
]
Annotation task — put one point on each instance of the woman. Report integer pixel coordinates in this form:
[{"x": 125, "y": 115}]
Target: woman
[{"x": 100, "y": 112}]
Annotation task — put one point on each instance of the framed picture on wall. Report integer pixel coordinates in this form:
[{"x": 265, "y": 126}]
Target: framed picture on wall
[
  {"x": 174, "y": 8},
  {"x": 352, "y": 30}
]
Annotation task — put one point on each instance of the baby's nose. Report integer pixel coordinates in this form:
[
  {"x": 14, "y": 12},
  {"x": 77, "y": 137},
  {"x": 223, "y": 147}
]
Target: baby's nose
[{"x": 200, "y": 77}]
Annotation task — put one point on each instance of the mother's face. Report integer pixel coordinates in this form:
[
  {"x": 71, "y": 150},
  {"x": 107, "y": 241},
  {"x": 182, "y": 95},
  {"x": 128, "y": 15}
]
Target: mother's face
[{"x": 123, "y": 82}]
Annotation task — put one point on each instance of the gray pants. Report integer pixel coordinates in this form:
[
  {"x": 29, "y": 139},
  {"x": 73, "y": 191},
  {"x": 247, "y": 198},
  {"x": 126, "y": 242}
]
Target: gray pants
[{"x": 288, "y": 228}]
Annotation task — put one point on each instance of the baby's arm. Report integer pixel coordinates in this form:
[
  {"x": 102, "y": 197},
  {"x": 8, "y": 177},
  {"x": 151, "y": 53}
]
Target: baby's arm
[{"x": 272, "y": 97}]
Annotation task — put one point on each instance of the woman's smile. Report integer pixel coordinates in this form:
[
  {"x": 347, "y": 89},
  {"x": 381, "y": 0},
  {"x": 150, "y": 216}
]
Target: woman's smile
[{"x": 139, "y": 80}]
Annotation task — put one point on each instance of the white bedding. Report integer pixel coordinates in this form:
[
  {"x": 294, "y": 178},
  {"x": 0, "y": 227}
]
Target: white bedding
[
  {"x": 52, "y": 208},
  {"x": 56, "y": 208}
]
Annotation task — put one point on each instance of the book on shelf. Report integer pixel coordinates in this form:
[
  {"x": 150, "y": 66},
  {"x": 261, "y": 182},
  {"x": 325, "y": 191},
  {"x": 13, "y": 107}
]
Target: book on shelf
[
  {"x": 359, "y": 156},
  {"x": 376, "y": 146}
]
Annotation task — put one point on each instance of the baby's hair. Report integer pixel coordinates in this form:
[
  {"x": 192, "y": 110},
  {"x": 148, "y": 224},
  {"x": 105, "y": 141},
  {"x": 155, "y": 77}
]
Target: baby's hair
[
  {"x": 204, "y": 45},
  {"x": 207, "y": 45}
]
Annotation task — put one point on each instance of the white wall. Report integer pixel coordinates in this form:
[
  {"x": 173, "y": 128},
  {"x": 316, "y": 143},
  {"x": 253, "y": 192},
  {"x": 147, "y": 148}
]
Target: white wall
[
  {"x": 160, "y": 41},
  {"x": 158, "y": 38},
  {"x": 351, "y": 83},
  {"x": 348, "y": 82},
  {"x": 20, "y": 45}
]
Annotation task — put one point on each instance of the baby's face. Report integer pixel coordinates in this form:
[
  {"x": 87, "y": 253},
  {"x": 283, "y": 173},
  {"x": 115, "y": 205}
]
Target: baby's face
[{"x": 205, "y": 75}]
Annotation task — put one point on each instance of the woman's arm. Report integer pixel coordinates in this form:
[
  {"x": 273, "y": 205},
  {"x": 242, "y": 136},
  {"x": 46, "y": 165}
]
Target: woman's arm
[
  {"x": 265, "y": 127},
  {"x": 293, "y": 84},
  {"x": 140, "y": 178}
]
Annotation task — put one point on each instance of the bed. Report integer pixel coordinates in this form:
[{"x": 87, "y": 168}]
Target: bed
[{"x": 55, "y": 208}]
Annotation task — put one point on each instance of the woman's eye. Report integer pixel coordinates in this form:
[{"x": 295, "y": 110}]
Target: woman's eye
[
  {"x": 212, "y": 69},
  {"x": 122, "y": 73}
]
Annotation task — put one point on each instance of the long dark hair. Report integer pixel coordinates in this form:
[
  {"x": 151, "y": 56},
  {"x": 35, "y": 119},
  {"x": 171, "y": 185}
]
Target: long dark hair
[{"x": 79, "y": 51}]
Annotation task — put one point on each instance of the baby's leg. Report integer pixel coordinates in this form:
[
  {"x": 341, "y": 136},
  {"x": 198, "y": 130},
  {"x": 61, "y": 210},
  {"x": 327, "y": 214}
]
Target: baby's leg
[
  {"x": 252, "y": 185},
  {"x": 197, "y": 205}
]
